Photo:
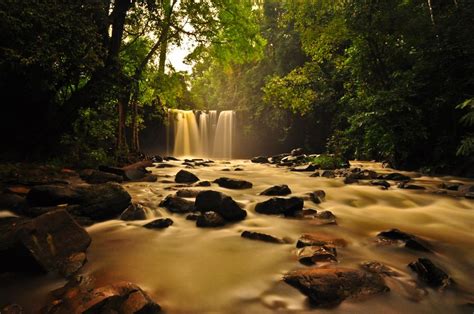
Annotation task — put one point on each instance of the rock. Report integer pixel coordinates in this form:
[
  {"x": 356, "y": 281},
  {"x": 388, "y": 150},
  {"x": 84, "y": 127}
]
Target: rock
[
  {"x": 12, "y": 309},
  {"x": 277, "y": 158},
  {"x": 157, "y": 158},
  {"x": 278, "y": 205},
  {"x": 395, "y": 176},
  {"x": 319, "y": 239},
  {"x": 331, "y": 286},
  {"x": 203, "y": 183},
  {"x": 137, "y": 171},
  {"x": 326, "y": 214},
  {"x": 177, "y": 204},
  {"x": 450, "y": 186},
  {"x": 310, "y": 255},
  {"x": 96, "y": 176},
  {"x": 297, "y": 151},
  {"x": 469, "y": 195},
  {"x": 328, "y": 174},
  {"x": 184, "y": 176},
  {"x": 260, "y": 237},
  {"x": 430, "y": 274},
  {"x": 408, "y": 240},
  {"x": 12, "y": 202},
  {"x": 165, "y": 165},
  {"x": 187, "y": 193},
  {"x": 277, "y": 190},
  {"x": 50, "y": 242},
  {"x": 81, "y": 296},
  {"x": 159, "y": 223},
  {"x": 317, "y": 196},
  {"x": 167, "y": 158},
  {"x": 193, "y": 217},
  {"x": 259, "y": 160},
  {"x": 149, "y": 178},
  {"x": 350, "y": 180},
  {"x": 134, "y": 212},
  {"x": 466, "y": 188},
  {"x": 238, "y": 169},
  {"x": 210, "y": 219},
  {"x": 378, "y": 268},
  {"x": 316, "y": 174},
  {"x": 233, "y": 183},
  {"x": 406, "y": 186},
  {"x": 98, "y": 202},
  {"x": 114, "y": 170},
  {"x": 222, "y": 204},
  {"x": 382, "y": 183},
  {"x": 308, "y": 167}
]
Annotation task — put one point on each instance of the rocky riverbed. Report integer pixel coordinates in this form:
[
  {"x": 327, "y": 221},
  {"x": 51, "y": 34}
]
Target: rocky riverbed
[{"x": 364, "y": 239}]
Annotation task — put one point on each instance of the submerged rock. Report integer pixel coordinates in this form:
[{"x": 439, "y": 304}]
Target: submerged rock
[
  {"x": 280, "y": 190},
  {"x": 159, "y": 223},
  {"x": 407, "y": 186},
  {"x": 310, "y": 255},
  {"x": 50, "y": 242},
  {"x": 394, "y": 236},
  {"x": 221, "y": 204},
  {"x": 184, "y": 176},
  {"x": 260, "y": 237},
  {"x": 210, "y": 219},
  {"x": 279, "y": 205},
  {"x": 134, "y": 212},
  {"x": 331, "y": 286},
  {"x": 233, "y": 183},
  {"x": 430, "y": 274},
  {"x": 378, "y": 268},
  {"x": 82, "y": 296},
  {"x": 177, "y": 204}
]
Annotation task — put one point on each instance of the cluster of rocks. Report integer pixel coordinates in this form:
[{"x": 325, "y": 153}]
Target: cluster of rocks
[{"x": 297, "y": 160}]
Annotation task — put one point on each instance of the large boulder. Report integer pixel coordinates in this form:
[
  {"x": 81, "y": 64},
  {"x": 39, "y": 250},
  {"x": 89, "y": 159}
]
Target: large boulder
[
  {"x": 177, "y": 204},
  {"x": 277, "y": 190},
  {"x": 98, "y": 202},
  {"x": 219, "y": 203},
  {"x": 50, "y": 242},
  {"x": 331, "y": 286},
  {"x": 233, "y": 183},
  {"x": 279, "y": 205},
  {"x": 184, "y": 176},
  {"x": 81, "y": 295}
]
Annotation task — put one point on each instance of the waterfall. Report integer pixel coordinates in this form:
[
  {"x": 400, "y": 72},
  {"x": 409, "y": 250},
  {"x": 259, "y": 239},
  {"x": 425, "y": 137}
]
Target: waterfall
[{"x": 200, "y": 133}]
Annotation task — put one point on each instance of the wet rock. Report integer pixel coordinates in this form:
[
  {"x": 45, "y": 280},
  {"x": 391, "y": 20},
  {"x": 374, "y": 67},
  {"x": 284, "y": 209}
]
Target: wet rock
[
  {"x": 177, "y": 204},
  {"x": 187, "y": 193},
  {"x": 137, "y": 171},
  {"x": 50, "y": 242},
  {"x": 466, "y": 188},
  {"x": 319, "y": 239},
  {"x": 469, "y": 195},
  {"x": 290, "y": 160},
  {"x": 157, "y": 158},
  {"x": 233, "y": 183},
  {"x": 82, "y": 296},
  {"x": 165, "y": 165},
  {"x": 193, "y": 217},
  {"x": 430, "y": 274},
  {"x": 149, "y": 178},
  {"x": 331, "y": 286},
  {"x": 159, "y": 223},
  {"x": 96, "y": 176},
  {"x": 168, "y": 158},
  {"x": 317, "y": 196},
  {"x": 98, "y": 202},
  {"x": 297, "y": 151},
  {"x": 12, "y": 202},
  {"x": 238, "y": 169},
  {"x": 184, "y": 176},
  {"x": 395, "y": 236},
  {"x": 114, "y": 170},
  {"x": 12, "y": 309},
  {"x": 316, "y": 174},
  {"x": 350, "y": 180},
  {"x": 203, "y": 183},
  {"x": 260, "y": 160},
  {"x": 210, "y": 219},
  {"x": 134, "y": 212},
  {"x": 304, "y": 168},
  {"x": 381, "y": 183},
  {"x": 395, "y": 176},
  {"x": 222, "y": 204},
  {"x": 277, "y": 158},
  {"x": 328, "y": 174},
  {"x": 326, "y": 214},
  {"x": 260, "y": 237},
  {"x": 310, "y": 255},
  {"x": 406, "y": 186},
  {"x": 279, "y": 205},
  {"x": 450, "y": 186},
  {"x": 277, "y": 190},
  {"x": 378, "y": 268}
]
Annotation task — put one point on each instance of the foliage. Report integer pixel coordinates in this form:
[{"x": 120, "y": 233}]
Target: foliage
[{"x": 330, "y": 162}]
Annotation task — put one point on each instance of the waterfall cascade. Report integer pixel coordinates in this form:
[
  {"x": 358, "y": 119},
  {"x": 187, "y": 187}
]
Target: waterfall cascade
[{"x": 200, "y": 133}]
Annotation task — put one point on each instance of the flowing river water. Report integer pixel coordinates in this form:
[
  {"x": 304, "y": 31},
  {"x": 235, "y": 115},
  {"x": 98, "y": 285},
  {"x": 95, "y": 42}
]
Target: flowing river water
[{"x": 198, "y": 270}]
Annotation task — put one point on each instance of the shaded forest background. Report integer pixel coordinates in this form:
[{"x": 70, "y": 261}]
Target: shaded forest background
[{"x": 81, "y": 81}]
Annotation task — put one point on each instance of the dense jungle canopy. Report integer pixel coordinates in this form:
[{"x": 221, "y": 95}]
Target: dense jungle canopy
[{"x": 368, "y": 79}]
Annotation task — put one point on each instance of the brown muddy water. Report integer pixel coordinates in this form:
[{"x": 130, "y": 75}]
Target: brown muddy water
[{"x": 194, "y": 270}]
